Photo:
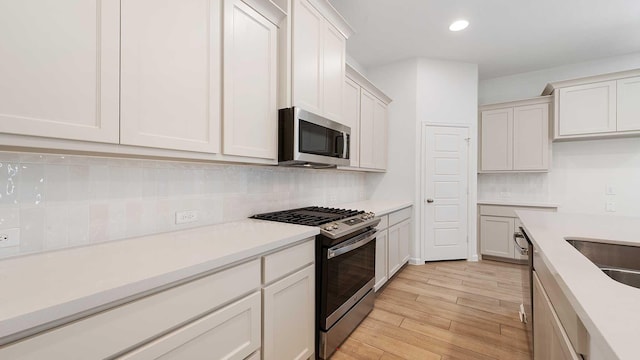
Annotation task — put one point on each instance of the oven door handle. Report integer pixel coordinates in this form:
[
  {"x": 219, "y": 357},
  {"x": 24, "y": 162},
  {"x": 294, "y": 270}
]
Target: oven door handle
[{"x": 357, "y": 242}]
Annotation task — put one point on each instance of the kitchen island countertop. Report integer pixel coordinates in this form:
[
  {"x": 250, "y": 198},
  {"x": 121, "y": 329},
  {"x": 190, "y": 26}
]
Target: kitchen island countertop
[{"x": 607, "y": 308}]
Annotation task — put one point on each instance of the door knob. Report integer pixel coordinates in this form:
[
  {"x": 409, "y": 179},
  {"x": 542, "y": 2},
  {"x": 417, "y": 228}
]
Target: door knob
[{"x": 429, "y": 201}]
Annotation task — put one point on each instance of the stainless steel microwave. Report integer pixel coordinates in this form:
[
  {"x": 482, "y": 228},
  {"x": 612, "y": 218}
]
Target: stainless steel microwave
[{"x": 309, "y": 140}]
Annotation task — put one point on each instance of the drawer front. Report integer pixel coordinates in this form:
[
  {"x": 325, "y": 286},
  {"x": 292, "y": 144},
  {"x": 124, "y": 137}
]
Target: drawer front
[
  {"x": 384, "y": 222},
  {"x": 399, "y": 216},
  {"x": 510, "y": 211},
  {"x": 286, "y": 261},
  {"x": 109, "y": 332},
  {"x": 232, "y": 332}
]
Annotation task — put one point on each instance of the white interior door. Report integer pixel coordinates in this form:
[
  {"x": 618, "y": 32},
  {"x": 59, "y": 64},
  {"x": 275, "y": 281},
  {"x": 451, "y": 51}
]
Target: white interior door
[{"x": 445, "y": 186}]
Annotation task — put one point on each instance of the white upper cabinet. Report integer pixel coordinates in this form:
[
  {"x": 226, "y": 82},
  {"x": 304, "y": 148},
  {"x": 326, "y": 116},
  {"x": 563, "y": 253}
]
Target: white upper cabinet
[
  {"x": 367, "y": 129},
  {"x": 59, "y": 69},
  {"x": 531, "y": 137},
  {"x": 365, "y": 110},
  {"x": 250, "y": 82},
  {"x": 351, "y": 118},
  {"x": 514, "y": 136},
  {"x": 628, "y": 94},
  {"x": 170, "y": 74},
  {"x": 497, "y": 140},
  {"x": 334, "y": 53},
  {"x": 318, "y": 59},
  {"x": 307, "y": 57},
  {"x": 380, "y": 134},
  {"x": 597, "y": 106},
  {"x": 587, "y": 109}
]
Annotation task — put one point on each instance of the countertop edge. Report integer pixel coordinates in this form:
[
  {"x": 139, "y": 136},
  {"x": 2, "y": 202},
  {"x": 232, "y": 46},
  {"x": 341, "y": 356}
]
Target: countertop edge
[{"x": 518, "y": 203}]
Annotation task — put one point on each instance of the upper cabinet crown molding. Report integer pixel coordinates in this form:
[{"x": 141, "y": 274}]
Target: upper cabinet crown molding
[
  {"x": 552, "y": 86},
  {"x": 270, "y": 10},
  {"x": 357, "y": 76},
  {"x": 330, "y": 13},
  {"x": 523, "y": 102}
]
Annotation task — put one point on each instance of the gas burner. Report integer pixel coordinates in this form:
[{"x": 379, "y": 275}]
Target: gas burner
[{"x": 310, "y": 216}]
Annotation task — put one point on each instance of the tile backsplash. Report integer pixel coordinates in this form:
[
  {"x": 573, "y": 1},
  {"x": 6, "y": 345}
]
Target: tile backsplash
[
  {"x": 516, "y": 187},
  {"x": 63, "y": 201}
]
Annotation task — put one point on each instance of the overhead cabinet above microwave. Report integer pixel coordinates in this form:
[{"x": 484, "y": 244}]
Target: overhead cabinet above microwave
[
  {"x": 597, "y": 106},
  {"x": 318, "y": 54}
]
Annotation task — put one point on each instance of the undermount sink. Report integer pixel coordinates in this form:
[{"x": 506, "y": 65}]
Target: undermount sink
[{"x": 619, "y": 262}]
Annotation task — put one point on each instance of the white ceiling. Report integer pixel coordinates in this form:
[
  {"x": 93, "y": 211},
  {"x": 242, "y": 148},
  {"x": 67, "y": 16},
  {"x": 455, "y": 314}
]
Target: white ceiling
[{"x": 504, "y": 36}]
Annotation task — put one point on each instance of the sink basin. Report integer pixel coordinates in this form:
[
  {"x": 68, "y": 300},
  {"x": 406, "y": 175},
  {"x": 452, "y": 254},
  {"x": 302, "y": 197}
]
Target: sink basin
[{"x": 619, "y": 262}]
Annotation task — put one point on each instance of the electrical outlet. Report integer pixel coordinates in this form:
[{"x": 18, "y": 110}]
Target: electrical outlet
[
  {"x": 9, "y": 237},
  {"x": 187, "y": 216},
  {"x": 611, "y": 206}
]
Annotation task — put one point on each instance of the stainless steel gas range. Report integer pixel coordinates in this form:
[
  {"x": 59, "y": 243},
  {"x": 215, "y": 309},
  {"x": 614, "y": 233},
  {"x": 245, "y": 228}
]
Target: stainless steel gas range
[{"x": 345, "y": 269}]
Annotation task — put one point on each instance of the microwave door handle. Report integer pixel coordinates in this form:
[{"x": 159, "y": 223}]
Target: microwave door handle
[{"x": 344, "y": 145}]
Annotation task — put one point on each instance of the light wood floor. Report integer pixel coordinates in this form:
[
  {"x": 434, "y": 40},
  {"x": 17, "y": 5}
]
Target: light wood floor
[{"x": 444, "y": 311}]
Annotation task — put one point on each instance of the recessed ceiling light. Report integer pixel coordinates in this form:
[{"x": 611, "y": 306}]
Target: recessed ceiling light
[{"x": 458, "y": 25}]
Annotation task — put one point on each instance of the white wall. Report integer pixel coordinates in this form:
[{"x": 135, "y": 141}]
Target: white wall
[
  {"x": 580, "y": 170},
  {"x": 64, "y": 201},
  {"x": 423, "y": 90},
  {"x": 531, "y": 84}
]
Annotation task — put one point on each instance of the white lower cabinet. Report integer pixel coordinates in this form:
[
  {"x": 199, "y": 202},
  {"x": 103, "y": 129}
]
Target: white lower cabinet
[
  {"x": 224, "y": 315},
  {"x": 496, "y": 233},
  {"x": 392, "y": 244},
  {"x": 550, "y": 339},
  {"x": 289, "y": 317},
  {"x": 382, "y": 245},
  {"x": 232, "y": 332},
  {"x": 498, "y": 226}
]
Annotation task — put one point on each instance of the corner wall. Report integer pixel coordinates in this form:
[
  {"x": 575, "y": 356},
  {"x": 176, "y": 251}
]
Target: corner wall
[{"x": 433, "y": 91}]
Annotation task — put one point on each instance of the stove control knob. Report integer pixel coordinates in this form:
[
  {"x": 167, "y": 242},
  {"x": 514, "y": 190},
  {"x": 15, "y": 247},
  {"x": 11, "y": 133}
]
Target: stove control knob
[
  {"x": 334, "y": 226},
  {"x": 328, "y": 228}
]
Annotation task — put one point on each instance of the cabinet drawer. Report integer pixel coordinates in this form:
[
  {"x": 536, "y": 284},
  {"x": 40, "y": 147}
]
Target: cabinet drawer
[
  {"x": 126, "y": 326},
  {"x": 284, "y": 262},
  {"x": 509, "y": 211},
  {"x": 232, "y": 332},
  {"x": 384, "y": 222},
  {"x": 398, "y": 216}
]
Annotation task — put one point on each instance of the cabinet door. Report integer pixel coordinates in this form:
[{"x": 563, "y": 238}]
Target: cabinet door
[
  {"x": 367, "y": 129},
  {"x": 496, "y": 235},
  {"x": 550, "y": 341},
  {"x": 232, "y": 332},
  {"x": 170, "y": 64},
  {"x": 381, "y": 258},
  {"x": 380, "y": 133},
  {"x": 250, "y": 82},
  {"x": 496, "y": 140},
  {"x": 59, "y": 69},
  {"x": 587, "y": 109},
  {"x": 334, "y": 53},
  {"x": 404, "y": 238},
  {"x": 289, "y": 317},
  {"x": 394, "y": 257},
  {"x": 307, "y": 56},
  {"x": 531, "y": 137},
  {"x": 628, "y": 93},
  {"x": 351, "y": 118}
]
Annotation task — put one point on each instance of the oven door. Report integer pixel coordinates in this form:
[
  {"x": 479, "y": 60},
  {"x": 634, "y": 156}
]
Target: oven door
[{"x": 348, "y": 273}]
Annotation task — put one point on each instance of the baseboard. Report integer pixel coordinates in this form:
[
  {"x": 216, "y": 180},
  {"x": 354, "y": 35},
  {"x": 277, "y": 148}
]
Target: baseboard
[
  {"x": 416, "y": 261},
  {"x": 473, "y": 258}
]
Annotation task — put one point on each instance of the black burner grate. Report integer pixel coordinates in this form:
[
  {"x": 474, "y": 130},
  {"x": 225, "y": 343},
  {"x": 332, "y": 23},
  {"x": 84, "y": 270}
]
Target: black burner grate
[{"x": 312, "y": 216}]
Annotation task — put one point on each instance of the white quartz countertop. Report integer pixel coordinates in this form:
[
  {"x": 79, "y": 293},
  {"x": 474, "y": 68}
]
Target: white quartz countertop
[
  {"x": 379, "y": 207},
  {"x": 608, "y": 309},
  {"x": 38, "y": 289},
  {"x": 518, "y": 203}
]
